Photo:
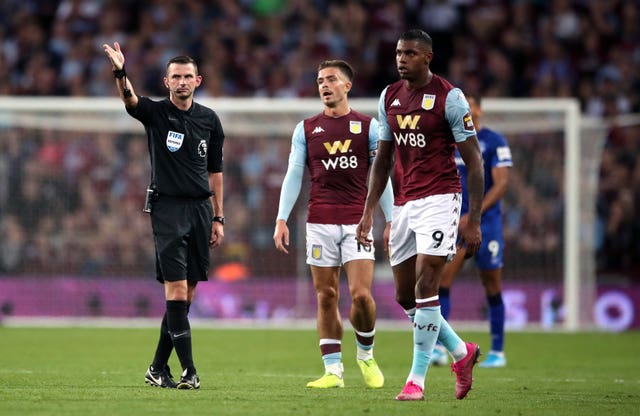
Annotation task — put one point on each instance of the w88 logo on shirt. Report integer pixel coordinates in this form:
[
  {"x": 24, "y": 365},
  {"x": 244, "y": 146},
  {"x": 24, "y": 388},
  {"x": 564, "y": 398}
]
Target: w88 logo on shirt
[
  {"x": 342, "y": 161},
  {"x": 410, "y": 137}
]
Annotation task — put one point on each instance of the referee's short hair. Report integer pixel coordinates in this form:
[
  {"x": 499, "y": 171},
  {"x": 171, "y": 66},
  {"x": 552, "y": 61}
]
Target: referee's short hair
[{"x": 183, "y": 60}]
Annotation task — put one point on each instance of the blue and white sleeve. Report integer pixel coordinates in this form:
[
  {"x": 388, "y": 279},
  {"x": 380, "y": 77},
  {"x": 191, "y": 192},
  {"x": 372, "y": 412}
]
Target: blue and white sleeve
[
  {"x": 458, "y": 114},
  {"x": 502, "y": 154},
  {"x": 293, "y": 179}
]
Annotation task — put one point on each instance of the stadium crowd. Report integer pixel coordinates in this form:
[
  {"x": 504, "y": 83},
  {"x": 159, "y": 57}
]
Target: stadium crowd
[{"x": 266, "y": 48}]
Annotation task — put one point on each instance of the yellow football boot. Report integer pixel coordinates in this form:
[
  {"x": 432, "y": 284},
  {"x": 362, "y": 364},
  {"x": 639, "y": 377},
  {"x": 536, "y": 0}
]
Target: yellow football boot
[
  {"x": 327, "y": 381},
  {"x": 373, "y": 377}
]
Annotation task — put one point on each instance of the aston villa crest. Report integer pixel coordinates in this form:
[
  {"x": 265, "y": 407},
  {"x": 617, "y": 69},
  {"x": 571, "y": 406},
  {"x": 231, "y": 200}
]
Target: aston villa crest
[
  {"x": 316, "y": 251},
  {"x": 428, "y": 100}
]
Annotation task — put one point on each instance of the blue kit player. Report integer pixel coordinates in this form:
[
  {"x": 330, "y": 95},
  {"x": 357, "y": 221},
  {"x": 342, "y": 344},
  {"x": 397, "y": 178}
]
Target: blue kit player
[{"x": 497, "y": 162}]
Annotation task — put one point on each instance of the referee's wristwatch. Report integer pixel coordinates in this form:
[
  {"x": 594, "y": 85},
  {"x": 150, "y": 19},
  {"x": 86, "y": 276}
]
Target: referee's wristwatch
[{"x": 219, "y": 219}]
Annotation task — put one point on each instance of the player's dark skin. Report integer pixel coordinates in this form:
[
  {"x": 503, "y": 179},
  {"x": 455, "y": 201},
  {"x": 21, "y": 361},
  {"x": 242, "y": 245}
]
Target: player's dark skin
[{"x": 412, "y": 60}]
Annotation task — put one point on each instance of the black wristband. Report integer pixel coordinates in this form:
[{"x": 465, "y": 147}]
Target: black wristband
[
  {"x": 219, "y": 219},
  {"x": 119, "y": 73}
]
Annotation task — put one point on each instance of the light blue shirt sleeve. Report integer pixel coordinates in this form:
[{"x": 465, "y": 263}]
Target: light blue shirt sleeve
[
  {"x": 386, "y": 202},
  {"x": 374, "y": 132},
  {"x": 293, "y": 179},
  {"x": 458, "y": 114},
  {"x": 386, "y": 199},
  {"x": 384, "y": 129}
]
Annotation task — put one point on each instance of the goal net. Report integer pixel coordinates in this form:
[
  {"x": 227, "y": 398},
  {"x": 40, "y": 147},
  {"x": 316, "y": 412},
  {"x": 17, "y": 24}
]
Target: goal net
[{"x": 73, "y": 172}]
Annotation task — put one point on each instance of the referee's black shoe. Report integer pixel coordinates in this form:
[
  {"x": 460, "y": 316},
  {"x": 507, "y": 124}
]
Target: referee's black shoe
[
  {"x": 160, "y": 378},
  {"x": 189, "y": 381}
]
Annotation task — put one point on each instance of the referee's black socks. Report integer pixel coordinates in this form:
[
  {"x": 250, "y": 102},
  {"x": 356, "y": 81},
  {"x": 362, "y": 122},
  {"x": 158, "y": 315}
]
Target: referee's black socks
[
  {"x": 165, "y": 346},
  {"x": 180, "y": 331}
]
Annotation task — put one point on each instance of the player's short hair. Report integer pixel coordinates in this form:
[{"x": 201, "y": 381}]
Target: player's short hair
[
  {"x": 417, "y": 35},
  {"x": 476, "y": 97},
  {"x": 183, "y": 60},
  {"x": 343, "y": 66}
]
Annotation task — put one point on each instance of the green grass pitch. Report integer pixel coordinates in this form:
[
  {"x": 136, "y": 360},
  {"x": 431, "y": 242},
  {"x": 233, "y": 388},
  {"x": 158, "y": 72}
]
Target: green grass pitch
[{"x": 100, "y": 371}]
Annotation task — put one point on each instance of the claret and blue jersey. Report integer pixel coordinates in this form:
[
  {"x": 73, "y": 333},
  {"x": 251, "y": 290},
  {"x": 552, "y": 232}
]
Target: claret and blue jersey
[
  {"x": 425, "y": 125},
  {"x": 338, "y": 151}
]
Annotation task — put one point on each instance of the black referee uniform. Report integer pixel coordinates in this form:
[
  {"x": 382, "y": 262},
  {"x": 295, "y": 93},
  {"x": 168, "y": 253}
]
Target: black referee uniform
[{"x": 184, "y": 146}]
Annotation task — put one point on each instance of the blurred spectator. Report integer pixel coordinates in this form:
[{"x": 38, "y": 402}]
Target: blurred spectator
[
  {"x": 618, "y": 202},
  {"x": 260, "y": 48},
  {"x": 12, "y": 243}
]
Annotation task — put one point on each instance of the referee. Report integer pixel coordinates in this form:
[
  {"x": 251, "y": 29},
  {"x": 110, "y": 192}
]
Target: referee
[{"x": 184, "y": 200}]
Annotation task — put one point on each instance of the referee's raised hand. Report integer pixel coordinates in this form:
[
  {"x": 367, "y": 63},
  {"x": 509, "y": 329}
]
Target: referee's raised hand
[{"x": 115, "y": 55}]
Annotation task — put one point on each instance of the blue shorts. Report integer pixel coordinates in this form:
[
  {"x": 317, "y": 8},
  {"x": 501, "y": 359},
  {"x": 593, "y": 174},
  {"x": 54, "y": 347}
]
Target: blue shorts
[{"x": 489, "y": 257}]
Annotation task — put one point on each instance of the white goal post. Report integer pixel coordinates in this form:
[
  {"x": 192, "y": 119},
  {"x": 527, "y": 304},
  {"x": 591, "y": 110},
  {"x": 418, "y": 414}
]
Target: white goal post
[
  {"x": 277, "y": 118},
  {"x": 570, "y": 108}
]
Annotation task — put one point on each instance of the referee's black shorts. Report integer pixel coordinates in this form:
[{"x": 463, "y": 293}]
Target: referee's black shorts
[{"x": 181, "y": 233}]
